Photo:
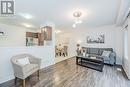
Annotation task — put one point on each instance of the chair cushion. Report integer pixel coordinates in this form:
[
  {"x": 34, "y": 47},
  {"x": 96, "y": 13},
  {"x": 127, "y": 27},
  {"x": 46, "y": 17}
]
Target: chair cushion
[
  {"x": 23, "y": 61},
  {"x": 30, "y": 67}
]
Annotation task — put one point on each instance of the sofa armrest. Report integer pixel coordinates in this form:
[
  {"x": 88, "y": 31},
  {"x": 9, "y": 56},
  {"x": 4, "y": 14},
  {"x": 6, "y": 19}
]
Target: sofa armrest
[{"x": 113, "y": 57}]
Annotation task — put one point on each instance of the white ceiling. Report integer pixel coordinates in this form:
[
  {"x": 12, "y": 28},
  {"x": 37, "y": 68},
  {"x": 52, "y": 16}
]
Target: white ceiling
[{"x": 95, "y": 12}]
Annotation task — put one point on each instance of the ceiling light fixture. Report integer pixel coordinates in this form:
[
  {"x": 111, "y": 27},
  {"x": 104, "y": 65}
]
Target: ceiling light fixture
[
  {"x": 77, "y": 15},
  {"x": 26, "y": 15},
  {"x": 27, "y": 25}
]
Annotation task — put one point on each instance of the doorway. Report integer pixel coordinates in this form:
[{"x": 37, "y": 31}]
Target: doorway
[{"x": 61, "y": 47}]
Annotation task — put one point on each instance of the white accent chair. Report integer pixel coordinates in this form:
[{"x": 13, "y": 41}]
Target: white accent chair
[{"x": 22, "y": 72}]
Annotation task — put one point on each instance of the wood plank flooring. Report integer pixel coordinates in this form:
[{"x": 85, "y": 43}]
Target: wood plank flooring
[{"x": 68, "y": 74}]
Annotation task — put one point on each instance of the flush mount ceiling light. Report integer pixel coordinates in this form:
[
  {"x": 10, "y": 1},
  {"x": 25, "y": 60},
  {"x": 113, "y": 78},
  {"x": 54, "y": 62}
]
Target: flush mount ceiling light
[
  {"x": 26, "y": 15},
  {"x": 77, "y": 15},
  {"x": 27, "y": 25}
]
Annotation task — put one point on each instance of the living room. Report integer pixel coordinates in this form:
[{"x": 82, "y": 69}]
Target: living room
[{"x": 65, "y": 45}]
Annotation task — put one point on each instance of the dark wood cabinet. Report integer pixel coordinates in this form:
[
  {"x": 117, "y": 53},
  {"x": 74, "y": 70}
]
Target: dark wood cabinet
[
  {"x": 47, "y": 33},
  {"x": 32, "y": 36},
  {"x": 40, "y": 39},
  {"x": 37, "y": 38}
]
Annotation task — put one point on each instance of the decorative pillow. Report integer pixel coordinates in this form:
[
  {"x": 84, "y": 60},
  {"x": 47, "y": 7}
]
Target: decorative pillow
[
  {"x": 106, "y": 53},
  {"x": 87, "y": 55},
  {"x": 23, "y": 61}
]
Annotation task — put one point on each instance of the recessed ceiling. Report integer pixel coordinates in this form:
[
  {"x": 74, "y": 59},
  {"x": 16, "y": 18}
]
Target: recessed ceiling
[{"x": 94, "y": 12}]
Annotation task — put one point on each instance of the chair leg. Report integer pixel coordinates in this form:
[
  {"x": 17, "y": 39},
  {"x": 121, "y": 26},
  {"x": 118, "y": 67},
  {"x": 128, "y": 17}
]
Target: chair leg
[
  {"x": 23, "y": 82},
  {"x": 15, "y": 80},
  {"x": 29, "y": 78}
]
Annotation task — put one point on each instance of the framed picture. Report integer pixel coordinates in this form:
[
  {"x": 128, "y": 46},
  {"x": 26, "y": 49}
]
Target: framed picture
[{"x": 96, "y": 39}]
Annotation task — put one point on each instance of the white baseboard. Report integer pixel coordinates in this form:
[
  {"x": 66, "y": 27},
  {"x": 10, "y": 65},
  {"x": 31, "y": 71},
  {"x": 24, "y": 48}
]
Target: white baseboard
[{"x": 7, "y": 78}]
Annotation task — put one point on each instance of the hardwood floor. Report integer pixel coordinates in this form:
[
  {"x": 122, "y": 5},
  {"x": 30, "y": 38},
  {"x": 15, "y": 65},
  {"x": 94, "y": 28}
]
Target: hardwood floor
[{"x": 68, "y": 74}]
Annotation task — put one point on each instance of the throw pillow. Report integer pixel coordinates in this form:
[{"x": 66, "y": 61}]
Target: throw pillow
[
  {"x": 23, "y": 61},
  {"x": 87, "y": 55},
  {"x": 106, "y": 53}
]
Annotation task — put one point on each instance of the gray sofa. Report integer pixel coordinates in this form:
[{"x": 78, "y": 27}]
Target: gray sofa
[{"x": 98, "y": 53}]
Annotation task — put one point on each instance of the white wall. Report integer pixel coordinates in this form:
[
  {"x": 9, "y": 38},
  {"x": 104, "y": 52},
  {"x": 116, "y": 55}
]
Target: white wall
[
  {"x": 126, "y": 61},
  {"x": 113, "y": 39},
  {"x": 46, "y": 53},
  {"x": 13, "y": 36},
  {"x": 128, "y": 64}
]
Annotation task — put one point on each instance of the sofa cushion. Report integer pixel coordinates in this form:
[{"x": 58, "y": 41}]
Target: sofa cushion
[
  {"x": 106, "y": 53},
  {"x": 93, "y": 55},
  {"x": 105, "y": 58},
  {"x": 100, "y": 51},
  {"x": 94, "y": 51}
]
